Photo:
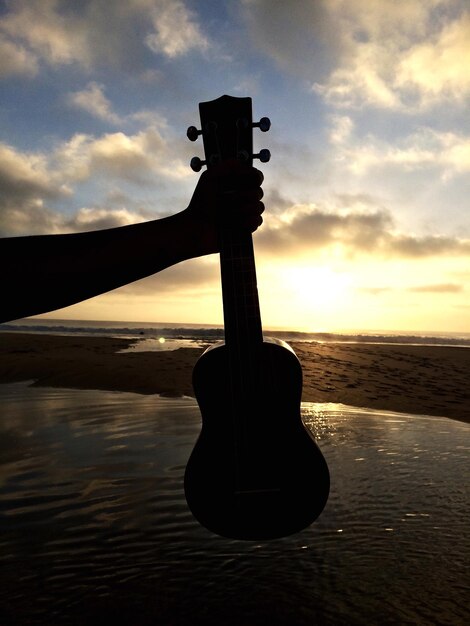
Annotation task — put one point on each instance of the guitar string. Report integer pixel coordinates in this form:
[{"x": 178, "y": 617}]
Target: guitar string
[
  {"x": 231, "y": 365},
  {"x": 244, "y": 323},
  {"x": 247, "y": 383}
]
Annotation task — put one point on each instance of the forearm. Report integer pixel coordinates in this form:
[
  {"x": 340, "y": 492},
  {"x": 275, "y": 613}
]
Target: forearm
[
  {"x": 45, "y": 273},
  {"x": 49, "y": 272}
]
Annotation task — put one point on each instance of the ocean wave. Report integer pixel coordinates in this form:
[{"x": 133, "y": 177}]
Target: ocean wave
[{"x": 207, "y": 333}]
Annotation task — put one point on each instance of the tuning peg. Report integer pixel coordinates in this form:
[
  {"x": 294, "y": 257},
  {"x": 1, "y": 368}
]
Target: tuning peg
[
  {"x": 243, "y": 156},
  {"x": 193, "y": 133},
  {"x": 263, "y": 155},
  {"x": 196, "y": 164},
  {"x": 264, "y": 124}
]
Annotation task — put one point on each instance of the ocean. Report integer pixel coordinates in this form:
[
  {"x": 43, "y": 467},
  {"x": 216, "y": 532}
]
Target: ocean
[{"x": 164, "y": 335}]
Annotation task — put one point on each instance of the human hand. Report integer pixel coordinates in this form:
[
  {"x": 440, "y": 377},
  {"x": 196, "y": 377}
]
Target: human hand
[{"x": 226, "y": 196}]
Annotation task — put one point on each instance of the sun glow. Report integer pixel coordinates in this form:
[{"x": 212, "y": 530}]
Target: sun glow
[
  {"x": 314, "y": 294},
  {"x": 319, "y": 286},
  {"x": 305, "y": 296}
]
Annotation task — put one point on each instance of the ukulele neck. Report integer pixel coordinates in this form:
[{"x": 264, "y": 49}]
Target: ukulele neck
[
  {"x": 242, "y": 318},
  {"x": 227, "y": 132}
]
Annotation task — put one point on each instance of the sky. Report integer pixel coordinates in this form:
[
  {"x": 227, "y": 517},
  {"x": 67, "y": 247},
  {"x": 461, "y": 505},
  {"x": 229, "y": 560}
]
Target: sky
[{"x": 367, "y": 221}]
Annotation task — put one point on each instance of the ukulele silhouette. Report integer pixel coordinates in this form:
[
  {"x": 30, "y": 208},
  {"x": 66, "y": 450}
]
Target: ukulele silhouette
[{"x": 255, "y": 471}]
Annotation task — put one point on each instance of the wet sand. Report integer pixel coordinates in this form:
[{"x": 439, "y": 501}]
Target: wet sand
[{"x": 421, "y": 380}]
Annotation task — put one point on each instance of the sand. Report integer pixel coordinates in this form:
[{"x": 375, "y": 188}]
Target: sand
[{"x": 421, "y": 380}]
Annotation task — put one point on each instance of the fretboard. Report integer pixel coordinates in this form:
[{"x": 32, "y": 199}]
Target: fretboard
[{"x": 242, "y": 319}]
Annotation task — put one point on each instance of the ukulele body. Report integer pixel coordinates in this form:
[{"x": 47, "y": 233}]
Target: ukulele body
[{"x": 255, "y": 472}]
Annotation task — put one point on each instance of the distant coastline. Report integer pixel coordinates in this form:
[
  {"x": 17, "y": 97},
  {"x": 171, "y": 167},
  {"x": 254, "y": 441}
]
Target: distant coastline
[{"x": 210, "y": 333}]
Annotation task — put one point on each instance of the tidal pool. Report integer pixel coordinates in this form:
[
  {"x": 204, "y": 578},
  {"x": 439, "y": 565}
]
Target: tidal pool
[{"x": 95, "y": 528}]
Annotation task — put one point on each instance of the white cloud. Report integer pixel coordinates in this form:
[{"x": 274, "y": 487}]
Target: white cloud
[
  {"x": 96, "y": 33},
  {"x": 176, "y": 30},
  {"x": 15, "y": 59},
  {"x": 363, "y": 79},
  {"x": 135, "y": 158},
  {"x": 438, "y": 67},
  {"x": 34, "y": 218},
  {"x": 424, "y": 149},
  {"x": 404, "y": 56},
  {"x": 151, "y": 118},
  {"x": 29, "y": 218},
  {"x": 341, "y": 128},
  {"x": 26, "y": 182},
  {"x": 29, "y": 181},
  {"x": 97, "y": 218},
  {"x": 58, "y": 37},
  {"x": 26, "y": 175},
  {"x": 138, "y": 158},
  {"x": 93, "y": 100},
  {"x": 131, "y": 157}
]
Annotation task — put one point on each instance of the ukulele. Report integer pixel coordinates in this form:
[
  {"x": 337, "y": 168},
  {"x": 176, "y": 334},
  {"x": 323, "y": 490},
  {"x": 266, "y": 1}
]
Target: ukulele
[{"x": 255, "y": 472}]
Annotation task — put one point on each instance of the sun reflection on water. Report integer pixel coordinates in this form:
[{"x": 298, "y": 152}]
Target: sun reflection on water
[{"x": 92, "y": 507}]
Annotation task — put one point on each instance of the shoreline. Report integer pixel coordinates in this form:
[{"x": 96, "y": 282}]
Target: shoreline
[{"x": 406, "y": 378}]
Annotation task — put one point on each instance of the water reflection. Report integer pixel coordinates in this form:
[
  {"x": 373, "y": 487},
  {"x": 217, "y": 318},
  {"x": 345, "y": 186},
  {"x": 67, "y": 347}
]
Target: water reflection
[{"x": 95, "y": 528}]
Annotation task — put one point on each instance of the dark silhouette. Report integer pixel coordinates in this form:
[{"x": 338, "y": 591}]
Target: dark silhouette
[
  {"x": 255, "y": 472},
  {"x": 47, "y": 272}
]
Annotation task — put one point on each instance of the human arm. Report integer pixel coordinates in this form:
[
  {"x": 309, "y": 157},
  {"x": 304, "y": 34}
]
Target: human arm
[{"x": 47, "y": 272}]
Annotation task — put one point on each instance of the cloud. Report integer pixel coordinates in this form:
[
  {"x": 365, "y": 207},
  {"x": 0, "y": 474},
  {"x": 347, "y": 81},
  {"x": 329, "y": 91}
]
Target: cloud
[
  {"x": 438, "y": 288},
  {"x": 92, "y": 34},
  {"x": 194, "y": 276},
  {"x": 405, "y": 56},
  {"x": 424, "y": 149},
  {"x": 25, "y": 175},
  {"x": 49, "y": 32},
  {"x": 15, "y": 59},
  {"x": 298, "y": 35},
  {"x": 28, "y": 218},
  {"x": 341, "y": 129},
  {"x": 438, "y": 67},
  {"x": 132, "y": 157},
  {"x": 93, "y": 101},
  {"x": 36, "y": 219},
  {"x": 30, "y": 181},
  {"x": 26, "y": 181},
  {"x": 349, "y": 223},
  {"x": 176, "y": 30},
  {"x": 431, "y": 288},
  {"x": 430, "y": 245},
  {"x": 136, "y": 158},
  {"x": 308, "y": 229},
  {"x": 97, "y": 218},
  {"x": 360, "y": 81}
]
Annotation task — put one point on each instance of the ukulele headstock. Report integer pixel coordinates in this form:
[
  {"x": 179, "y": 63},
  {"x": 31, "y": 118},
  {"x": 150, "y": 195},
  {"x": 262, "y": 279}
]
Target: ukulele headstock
[{"x": 227, "y": 132}]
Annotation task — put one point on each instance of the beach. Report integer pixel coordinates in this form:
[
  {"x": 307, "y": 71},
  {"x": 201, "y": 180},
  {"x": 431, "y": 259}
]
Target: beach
[
  {"x": 96, "y": 529},
  {"x": 415, "y": 379}
]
